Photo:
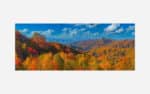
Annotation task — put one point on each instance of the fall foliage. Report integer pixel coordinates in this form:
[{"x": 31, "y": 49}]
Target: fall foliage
[{"x": 37, "y": 54}]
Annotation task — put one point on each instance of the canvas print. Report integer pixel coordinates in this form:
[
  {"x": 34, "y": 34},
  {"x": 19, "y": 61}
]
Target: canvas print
[{"x": 75, "y": 46}]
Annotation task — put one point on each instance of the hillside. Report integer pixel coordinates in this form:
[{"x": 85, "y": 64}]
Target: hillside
[
  {"x": 38, "y": 45},
  {"x": 36, "y": 53},
  {"x": 98, "y": 43}
]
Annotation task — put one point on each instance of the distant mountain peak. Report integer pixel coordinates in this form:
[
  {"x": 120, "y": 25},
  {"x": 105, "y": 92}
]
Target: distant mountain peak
[
  {"x": 39, "y": 39},
  {"x": 89, "y": 44},
  {"x": 38, "y": 36}
]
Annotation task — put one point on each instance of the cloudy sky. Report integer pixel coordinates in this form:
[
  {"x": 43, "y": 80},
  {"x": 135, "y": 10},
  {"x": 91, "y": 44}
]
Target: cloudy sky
[{"x": 66, "y": 33}]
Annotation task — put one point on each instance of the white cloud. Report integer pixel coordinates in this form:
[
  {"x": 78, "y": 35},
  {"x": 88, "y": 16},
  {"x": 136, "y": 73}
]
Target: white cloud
[
  {"x": 82, "y": 29},
  {"x": 119, "y": 30},
  {"x": 89, "y": 34},
  {"x": 78, "y": 32},
  {"x": 47, "y": 32},
  {"x": 130, "y": 28},
  {"x": 111, "y": 27},
  {"x": 30, "y": 34},
  {"x": 25, "y": 30},
  {"x": 66, "y": 29},
  {"x": 72, "y": 29},
  {"x": 73, "y": 33}
]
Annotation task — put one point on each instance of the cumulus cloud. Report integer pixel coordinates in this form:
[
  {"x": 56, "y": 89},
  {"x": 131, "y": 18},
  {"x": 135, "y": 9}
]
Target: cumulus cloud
[
  {"x": 82, "y": 29},
  {"x": 66, "y": 29},
  {"x": 47, "y": 32},
  {"x": 111, "y": 27},
  {"x": 80, "y": 32},
  {"x": 119, "y": 30},
  {"x": 89, "y": 34},
  {"x": 130, "y": 28},
  {"x": 72, "y": 31},
  {"x": 30, "y": 34},
  {"x": 24, "y": 30}
]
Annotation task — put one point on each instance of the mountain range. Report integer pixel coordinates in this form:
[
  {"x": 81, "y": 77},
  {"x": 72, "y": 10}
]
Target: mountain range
[{"x": 39, "y": 43}]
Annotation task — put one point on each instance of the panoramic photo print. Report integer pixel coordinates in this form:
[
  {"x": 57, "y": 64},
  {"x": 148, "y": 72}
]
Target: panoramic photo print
[{"x": 75, "y": 46}]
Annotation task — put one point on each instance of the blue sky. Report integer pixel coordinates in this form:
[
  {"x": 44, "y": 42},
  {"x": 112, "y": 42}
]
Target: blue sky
[{"x": 67, "y": 33}]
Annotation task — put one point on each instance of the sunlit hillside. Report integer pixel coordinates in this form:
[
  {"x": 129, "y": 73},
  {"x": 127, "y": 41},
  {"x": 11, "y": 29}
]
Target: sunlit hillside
[{"x": 36, "y": 53}]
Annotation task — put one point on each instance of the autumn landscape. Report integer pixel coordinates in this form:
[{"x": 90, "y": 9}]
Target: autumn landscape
[{"x": 75, "y": 46}]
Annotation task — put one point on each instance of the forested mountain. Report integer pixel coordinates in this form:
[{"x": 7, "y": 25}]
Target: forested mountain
[{"x": 36, "y": 53}]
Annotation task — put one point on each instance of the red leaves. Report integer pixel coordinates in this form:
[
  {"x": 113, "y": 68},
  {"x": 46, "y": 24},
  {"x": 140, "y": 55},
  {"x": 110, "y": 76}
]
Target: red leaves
[
  {"x": 17, "y": 61},
  {"x": 32, "y": 51}
]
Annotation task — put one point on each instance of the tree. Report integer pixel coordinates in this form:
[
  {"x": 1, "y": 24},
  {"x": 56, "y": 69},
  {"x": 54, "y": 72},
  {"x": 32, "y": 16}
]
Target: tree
[
  {"x": 59, "y": 60},
  {"x": 45, "y": 61},
  {"x": 18, "y": 62},
  {"x": 31, "y": 63}
]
